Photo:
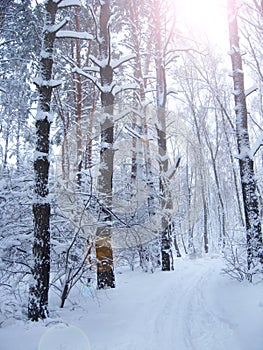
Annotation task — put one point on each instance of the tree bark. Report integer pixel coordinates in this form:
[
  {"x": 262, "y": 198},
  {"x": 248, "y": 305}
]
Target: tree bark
[
  {"x": 103, "y": 246},
  {"x": 161, "y": 95},
  {"x": 38, "y": 293},
  {"x": 78, "y": 100},
  {"x": 246, "y": 164}
]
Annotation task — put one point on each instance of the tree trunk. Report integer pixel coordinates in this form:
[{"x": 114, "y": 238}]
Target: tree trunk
[
  {"x": 103, "y": 247},
  {"x": 202, "y": 176},
  {"x": 161, "y": 95},
  {"x": 38, "y": 293},
  {"x": 166, "y": 201},
  {"x": 246, "y": 164},
  {"x": 78, "y": 100},
  {"x": 104, "y": 253}
]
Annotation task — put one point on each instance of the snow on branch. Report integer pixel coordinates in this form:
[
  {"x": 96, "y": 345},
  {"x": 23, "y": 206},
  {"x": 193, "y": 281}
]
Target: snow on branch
[
  {"x": 56, "y": 27},
  {"x": 111, "y": 88},
  {"x": 99, "y": 63},
  {"x": 91, "y": 69},
  {"x": 40, "y": 155},
  {"x": 74, "y": 35},
  {"x": 235, "y": 49},
  {"x": 132, "y": 132},
  {"x": 172, "y": 91},
  {"x": 114, "y": 63},
  {"x": 118, "y": 89},
  {"x": 247, "y": 92},
  {"x": 68, "y": 3},
  {"x": 42, "y": 115},
  {"x": 257, "y": 145},
  {"x": 118, "y": 63},
  {"x": 251, "y": 90},
  {"x": 88, "y": 76},
  {"x": 39, "y": 82},
  {"x": 108, "y": 88}
]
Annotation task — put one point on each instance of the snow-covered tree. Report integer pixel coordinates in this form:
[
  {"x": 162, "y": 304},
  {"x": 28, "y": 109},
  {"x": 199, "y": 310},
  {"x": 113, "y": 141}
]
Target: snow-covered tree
[
  {"x": 38, "y": 295},
  {"x": 246, "y": 163}
]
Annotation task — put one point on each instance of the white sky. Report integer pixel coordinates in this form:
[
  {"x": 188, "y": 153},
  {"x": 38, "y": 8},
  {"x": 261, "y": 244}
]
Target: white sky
[{"x": 205, "y": 17}]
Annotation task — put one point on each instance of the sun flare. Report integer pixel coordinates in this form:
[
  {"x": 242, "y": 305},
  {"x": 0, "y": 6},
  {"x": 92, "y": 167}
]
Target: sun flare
[{"x": 203, "y": 16}]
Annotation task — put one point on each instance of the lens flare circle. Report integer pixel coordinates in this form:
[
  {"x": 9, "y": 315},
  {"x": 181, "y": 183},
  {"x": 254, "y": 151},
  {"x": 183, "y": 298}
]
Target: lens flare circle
[{"x": 64, "y": 336}]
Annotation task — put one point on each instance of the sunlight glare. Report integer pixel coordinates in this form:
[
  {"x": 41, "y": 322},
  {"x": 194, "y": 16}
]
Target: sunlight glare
[{"x": 203, "y": 16}]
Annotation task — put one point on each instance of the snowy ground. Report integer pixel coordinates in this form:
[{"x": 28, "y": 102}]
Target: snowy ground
[{"x": 194, "y": 307}]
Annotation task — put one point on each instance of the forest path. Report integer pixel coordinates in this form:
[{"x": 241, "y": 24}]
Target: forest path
[{"x": 165, "y": 310}]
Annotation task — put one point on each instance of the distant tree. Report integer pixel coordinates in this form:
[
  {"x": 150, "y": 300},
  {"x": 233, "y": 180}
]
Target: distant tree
[
  {"x": 17, "y": 56},
  {"x": 162, "y": 52}
]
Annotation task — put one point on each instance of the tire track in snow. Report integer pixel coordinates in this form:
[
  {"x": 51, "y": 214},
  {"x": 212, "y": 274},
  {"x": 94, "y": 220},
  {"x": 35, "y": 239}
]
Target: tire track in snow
[
  {"x": 172, "y": 327},
  {"x": 208, "y": 330},
  {"x": 187, "y": 318}
]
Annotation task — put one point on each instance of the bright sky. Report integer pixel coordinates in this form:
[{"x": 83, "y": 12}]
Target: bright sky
[{"x": 208, "y": 17}]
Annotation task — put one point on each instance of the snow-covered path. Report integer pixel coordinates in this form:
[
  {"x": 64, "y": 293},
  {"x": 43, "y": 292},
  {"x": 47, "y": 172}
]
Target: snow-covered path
[
  {"x": 173, "y": 310},
  {"x": 194, "y": 307},
  {"x": 181, "y": 310}
]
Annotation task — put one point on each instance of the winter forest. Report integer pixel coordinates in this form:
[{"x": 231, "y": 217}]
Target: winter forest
[{"x": 131, "y": 172}]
